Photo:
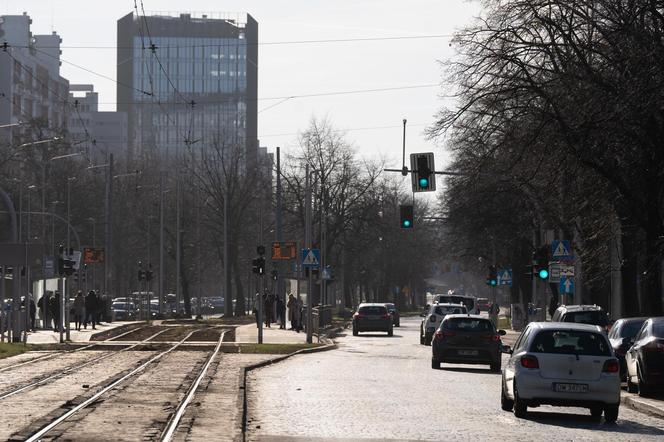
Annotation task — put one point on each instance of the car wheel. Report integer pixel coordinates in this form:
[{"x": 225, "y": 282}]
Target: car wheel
[
  {"x": 398, "y": 324},
  {"x": 427, "y": 340},
  {"x": 505, "y": 403},
  {"x": 520, "y": 407},
  {"x": 644, "y": 390},
  {"x": 354, "y": 331},
  {"x": 435, "y": 364},
  {"x": 421, "y": 340},
  {"x": 631, "y": 386},
  {"x": 495, "y": 367},
  {"x": 596, "y": 413},
  {"x": 390, "y": 333},
  {"x": 611, "y": 413}
]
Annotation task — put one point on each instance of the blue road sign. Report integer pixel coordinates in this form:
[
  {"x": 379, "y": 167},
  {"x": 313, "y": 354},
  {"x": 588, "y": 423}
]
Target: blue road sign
[
  {"x": 566, "y": 284},
  {"x": 504, "y": 276},
  {"x": 561, "y": 250},
  {"x": 310, "y": 258}
]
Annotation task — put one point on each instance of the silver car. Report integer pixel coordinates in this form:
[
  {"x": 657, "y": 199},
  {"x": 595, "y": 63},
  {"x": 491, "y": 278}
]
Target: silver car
[{"x": 562, "y": 364}]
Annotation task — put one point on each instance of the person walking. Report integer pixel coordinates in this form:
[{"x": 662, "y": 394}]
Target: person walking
[
  {"x": 281, "y": 313},
  {"x": 54, "y": 310},
  {"x": 33, "y": 312},
  {"x": 79, "y": 310},
  {"x": 91, "y": 309},
  {"x": 44, "y": 310},
  {"x": 267, "y": 309},
  {"x": 291, "y": 310}
]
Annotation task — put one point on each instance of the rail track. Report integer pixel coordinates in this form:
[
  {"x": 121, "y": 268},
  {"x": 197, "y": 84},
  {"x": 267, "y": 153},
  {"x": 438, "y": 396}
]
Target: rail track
[{"x": 163, "y": 422}]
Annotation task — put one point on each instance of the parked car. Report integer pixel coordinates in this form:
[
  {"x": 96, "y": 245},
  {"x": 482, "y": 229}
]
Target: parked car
[
  {"x": 372, "y": 317},
  {"x": 396, "y": 318},
  {"x": 483, "y": 304},
  {"x": 467, "y": 339},
  {"x": 434, "y": 317},
  {"x": 621, "y": 338},
  {"x": 645, "y": 358},
  {"x": 582, "y": 314},
  {"x": 569, "y": 365}
]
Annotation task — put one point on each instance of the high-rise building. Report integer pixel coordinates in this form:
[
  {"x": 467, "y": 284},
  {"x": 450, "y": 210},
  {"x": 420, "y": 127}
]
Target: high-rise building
[
  {"x": 100, "y": 133},
  {"x": 30, "y": 83},
  {"x": 188, "y": 79}
]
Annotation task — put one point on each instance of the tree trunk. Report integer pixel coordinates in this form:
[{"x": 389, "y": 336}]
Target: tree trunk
[
  {"x": 652, "y": 276},
  {"x": 629, "y": 270},
  {"x": 239, "y": 291}
]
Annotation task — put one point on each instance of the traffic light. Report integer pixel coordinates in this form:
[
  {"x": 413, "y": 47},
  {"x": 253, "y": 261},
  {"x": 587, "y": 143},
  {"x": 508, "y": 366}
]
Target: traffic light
[
  {"x": 492, "y": 277},
  {"x": 541, "y": 262},
  {"x": 406, "y": 216},
  {"x": 258, "y": 266},
  {"x": 423, "y": 172},
  {"x": 141, "y": 272}
]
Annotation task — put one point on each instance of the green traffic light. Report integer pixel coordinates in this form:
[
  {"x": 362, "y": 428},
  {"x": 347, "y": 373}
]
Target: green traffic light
[
  {"x": 424, "y": 182},
  {"x": 494, "y": 282},
  {"x": 406, "y": 223},
  {"x": 543, "y": 274}
]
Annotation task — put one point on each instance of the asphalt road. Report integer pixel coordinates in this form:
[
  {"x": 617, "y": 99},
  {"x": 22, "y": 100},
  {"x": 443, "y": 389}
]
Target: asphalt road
[{"x": 380, "y": 388}]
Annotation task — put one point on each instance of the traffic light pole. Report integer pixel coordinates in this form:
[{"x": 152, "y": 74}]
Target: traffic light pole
[{"x": 307, "y": 238}]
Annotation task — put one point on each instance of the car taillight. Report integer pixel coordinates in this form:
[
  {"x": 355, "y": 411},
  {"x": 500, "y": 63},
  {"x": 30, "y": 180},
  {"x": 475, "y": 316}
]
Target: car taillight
[
  {"x": 611, "y": 366},
  {"x": 494, "y": 338},
  {"x": 439, "y": 335},
  {"x": 529, "y": 362},
  {"x": 358, "y": 316},
  {"x": 386, "y": 316}
]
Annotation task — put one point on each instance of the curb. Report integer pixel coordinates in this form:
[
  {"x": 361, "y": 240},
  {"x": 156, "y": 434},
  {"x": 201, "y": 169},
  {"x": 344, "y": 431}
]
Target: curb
[
  {"x": 642, "y": 405},
  {"x": 248, "y": 368}
]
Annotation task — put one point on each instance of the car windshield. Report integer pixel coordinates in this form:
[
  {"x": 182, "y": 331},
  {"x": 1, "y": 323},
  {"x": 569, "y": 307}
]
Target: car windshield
[
  {"x": 658, "y": 329},
  {"x": 468, "y": 324},
  {"x": 447, "y": 310},
  {"x": 595, "y": 317},
  {"x": 570, "y": 342},
  {"x": 373, "y": 310},
  {"x": 630, "y": 329}
]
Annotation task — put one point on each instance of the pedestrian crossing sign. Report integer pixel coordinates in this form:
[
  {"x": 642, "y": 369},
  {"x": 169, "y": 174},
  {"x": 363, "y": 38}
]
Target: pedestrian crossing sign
[
  {"x": 311, "y": 258},
  {"x": 561, "y": 249}
]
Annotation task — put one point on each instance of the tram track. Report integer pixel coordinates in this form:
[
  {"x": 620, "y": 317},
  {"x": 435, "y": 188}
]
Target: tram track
[{"x": 100, "y": 397}]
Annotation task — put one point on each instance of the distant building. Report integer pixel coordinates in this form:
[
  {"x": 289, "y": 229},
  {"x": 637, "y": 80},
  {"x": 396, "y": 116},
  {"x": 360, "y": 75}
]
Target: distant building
[
  {"x": 100, "y": 133},
  {"x": 196, "y": 86},
  {"x": 30, "y": 83}
]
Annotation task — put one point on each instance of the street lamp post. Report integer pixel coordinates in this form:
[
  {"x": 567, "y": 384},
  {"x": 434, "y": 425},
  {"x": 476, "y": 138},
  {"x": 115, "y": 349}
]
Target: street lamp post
[{"x": 66, "y": 288}]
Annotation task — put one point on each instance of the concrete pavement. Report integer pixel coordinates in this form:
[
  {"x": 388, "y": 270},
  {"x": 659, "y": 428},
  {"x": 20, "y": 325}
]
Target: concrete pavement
[
  {"x": 51, "y": 337},
  {"x": 271, "y": 335}
]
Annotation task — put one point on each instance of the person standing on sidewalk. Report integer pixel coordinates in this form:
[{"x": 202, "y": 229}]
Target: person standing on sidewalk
[
  {"x": 268, "y": 307},
  {"x": 291, "y": 310},
  {"x": 79, "y": 310},
  {"x": 257, "y": 298},
  {"x": 91, "y": 309},
  {"x": 281, "y": 313}
]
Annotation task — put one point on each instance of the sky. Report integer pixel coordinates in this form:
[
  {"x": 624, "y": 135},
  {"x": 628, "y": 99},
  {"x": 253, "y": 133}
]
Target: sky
[{"x": 291, "y": 65}]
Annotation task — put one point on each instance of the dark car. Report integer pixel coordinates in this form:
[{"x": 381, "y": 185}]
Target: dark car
[
  {"x": 372, "y": 317},
  {"x": 621, "y": 337},
  {"x": 483, "y": 304},
  {"x": 396, "y": 318},
  {"x": 645, "y": 359},
  {"x": 467, "y": 339}
]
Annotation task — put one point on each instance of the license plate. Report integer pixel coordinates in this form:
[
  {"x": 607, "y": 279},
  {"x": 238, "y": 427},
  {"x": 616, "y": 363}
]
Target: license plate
[
  {"x": 468, "y": 352},
  {"x": 570, "y": 388}
]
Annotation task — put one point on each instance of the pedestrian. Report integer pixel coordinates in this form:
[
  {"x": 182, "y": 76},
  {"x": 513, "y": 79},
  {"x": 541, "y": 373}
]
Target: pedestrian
[
  {"x": 91, "y": 309},
  {"x": 54, "y": 310},
  {"x": 291, "y": 310},
  {"x": 299, "y": 310},
  {"x": 255, "y": 310},
  {"x": 79, "y": 310},
  {"x": 281, "y": 313},
  {"x": 267, "y": 308},
  {"x": 44, "y": 312},
  {"x": 553, "y": 306},
  {"x": 33, "y": 312}
]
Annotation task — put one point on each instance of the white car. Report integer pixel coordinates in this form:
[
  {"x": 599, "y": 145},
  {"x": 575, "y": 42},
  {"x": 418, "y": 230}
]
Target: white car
[
  {"x": 562, "y": 364},
  {"x": 435, "y": 316}
]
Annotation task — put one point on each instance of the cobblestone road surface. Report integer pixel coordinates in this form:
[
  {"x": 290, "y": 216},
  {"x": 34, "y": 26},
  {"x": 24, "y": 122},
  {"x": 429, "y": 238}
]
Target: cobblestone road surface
[{"x": 379, "y": 388}]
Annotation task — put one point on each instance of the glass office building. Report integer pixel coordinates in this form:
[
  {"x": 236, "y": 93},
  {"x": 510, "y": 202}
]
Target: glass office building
[{"x": 186, "y": 79}]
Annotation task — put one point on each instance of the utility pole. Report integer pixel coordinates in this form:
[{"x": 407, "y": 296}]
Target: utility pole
[
  {"x": 161, "y": 242},
  {"x": 259, "y": 292},
  {"x": 65, "y": 290},
  {"x": 279, "y": 232},
  {"x": 307, "y": 238},
  {"x": 228, "y": 297},
  {"x": 108, "y": 265}
]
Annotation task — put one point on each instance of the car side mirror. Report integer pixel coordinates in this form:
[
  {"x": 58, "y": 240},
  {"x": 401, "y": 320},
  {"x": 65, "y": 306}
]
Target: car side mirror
[
  {"x": 502, "y": 332},
  {"x": 506, "y": 349}
]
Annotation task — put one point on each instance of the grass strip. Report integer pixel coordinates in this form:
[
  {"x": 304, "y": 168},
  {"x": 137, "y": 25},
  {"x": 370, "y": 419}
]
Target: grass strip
[{"x": 7, "y": 350}]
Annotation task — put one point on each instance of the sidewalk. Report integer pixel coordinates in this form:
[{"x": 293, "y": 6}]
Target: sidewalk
[
  {"x": 51, "y": 337},
  {"x": 273, "y": 335}
]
